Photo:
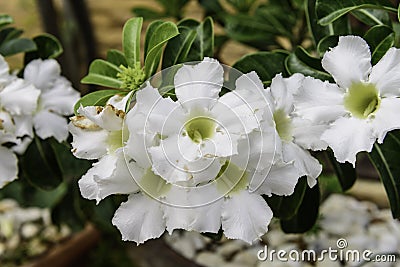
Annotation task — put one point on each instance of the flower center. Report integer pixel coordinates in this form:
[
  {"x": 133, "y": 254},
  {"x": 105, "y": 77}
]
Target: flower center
[
  {"x": 362, "y": 99},
  {"x": 283, "y": 125},
  {"x": 131, "y": 78},
  {"x": 200, "y": 128},
  {"x": 231, "y": 179}
]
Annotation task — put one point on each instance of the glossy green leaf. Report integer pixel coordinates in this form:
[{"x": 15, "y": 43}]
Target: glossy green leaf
[
  {"x": 149, "y": 33},
  {"x": 285, "y": 207},
  {"x": 178, "y": 47},
  {"x": 47, "y": 45},
  {"x": 385, "y": 158},
  {"x": 9, "y": 33},
  {"x": 39, "y": 165},
  {"x": 372, "y": 17},
  {"x": 242, "y": 5},
  {"x": 203, "y": 45},
  {"x": 98, "y": 98},
  {"x": 160, "y": 35},
  {"x": 15, "y": 46},
  {"x": 131, "y": 40},
  {"x": 5, "y": 20},
  {"x": 254, "y": 32},
  {"x": 266, "y": 64},
  {"x": 345, "y": 172},
  {"x": 116, "y": 57},
  {"x": 301, "y": 62},
  {"x": 379, "y": 38},
  {"x": 307, "y": 213},
  {"x": 330, "y": 10},
  {"x": 103, "y": 73},
  {"x": 398, "y": 13}
]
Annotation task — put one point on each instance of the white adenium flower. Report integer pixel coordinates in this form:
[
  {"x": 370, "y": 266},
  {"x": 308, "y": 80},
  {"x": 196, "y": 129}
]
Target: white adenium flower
[
  {"x": 362, "y": 106},
  {"x": 99, "y": 133},
  {"x": 221, "y": 197},
  {"x": 17, "y": 98},
  {"x": 200, "y": 129},
  {"x": 296, "y": 134},
  {"x": 56, "y": 100}
]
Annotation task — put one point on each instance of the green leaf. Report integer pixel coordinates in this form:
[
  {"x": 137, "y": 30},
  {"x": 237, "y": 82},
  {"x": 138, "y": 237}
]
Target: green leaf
[
  {"x": 326, "y": 43},
  {"x": 385, "y": 159},
  {"x": 398, "y": 13},
  {"x": 307, "y": 213},
  {"x": 116, "y": 57},
  {"x": 178, "y": 47},
  {"x": 147, "y": 13},
  {"x": 254, "y": 32},
  {"x": 48, "y": 46},
  {"x": 98, "y": 98},
  {"x": 380, "y": 38},
  {"x": 372, "y": 17},
  {"x": 159, "y": 36},
  {"x": 330, "y": 10},
  {"x": 301, "y": 62},
  {"x": 345, "y": 172},
  {"x": 203, "y": 45},
  {"x": 131, "y": 40},
  {"x": 266, "y": 64},
  {"x": 39, "y": 165},
  {"x": 103, "y": 73},
  {"x": 285, "y": 207},
  {"x": 5, "y": 20},
  {"x": 10, "y": 33},
  {"x": 16, "y": 46},
  {"x": 149, "y": 33}
]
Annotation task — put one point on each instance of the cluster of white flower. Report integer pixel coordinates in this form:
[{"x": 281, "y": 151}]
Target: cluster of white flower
[
  {"x": 205, "y": 161},
  {"x": 35, "y": 104}
]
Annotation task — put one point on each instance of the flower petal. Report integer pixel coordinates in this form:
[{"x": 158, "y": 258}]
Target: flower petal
[
  {"x": 119, "y": 101},
  {"x": 282, "y": 91},
  {"x": 19, "y": 98},
  {"x": 139, "y": 219},
  {"x": 245, "y": 216},
  {"x": 172, "y": 157},
  {"x": 4, "y": 71},
  {"x": 154, "y": 113},
  {"x": 205, "y": 218},
  {"x": 48, "y": 124},
  {"x": 88, "y": 142},
  {"x": 106, "y": 117},
  {"x": 386, "y": 73},
  {"x": 386, "y": 117},
  {"x": 280, "y": 180},
  {"x": 303, "y": 161},
  {"x": 199, "y": 85},
  {"x": 24, "y": 125},
  {"x": 8, "y": 166},
  {"x": 7, "y": 128},
  {"x": 308, "y": 134},
  {"x": 60, "y": 99},
  {"x": 42, "y": 73},
  {"x": 349, "y": 61},
  {"x": 120, "y": 181},
  {"x": 348, "y": 136},
  {"x": 319, "y": 101}
]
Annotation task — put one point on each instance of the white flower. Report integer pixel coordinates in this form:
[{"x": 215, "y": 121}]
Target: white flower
[
  {"x": 297, "y": 134},
  {"x": 201, "y": 129},
  {"x": 56, "y": 100},
  {"x": 362, "y": 106},
  {"x": 98, "y": 133}
]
